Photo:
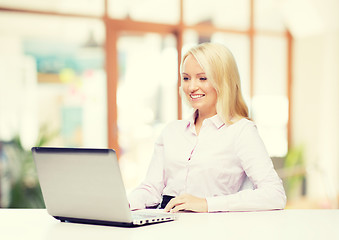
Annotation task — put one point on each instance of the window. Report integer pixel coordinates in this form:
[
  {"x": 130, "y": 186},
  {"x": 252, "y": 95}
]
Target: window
[
  {"x": 226, "y": 14},
  {"x": 270, "y": 102},
  {"x": 82, "y": 7},
  {"x": 83, "y": 66},
  {"x": 157, "y": 11},
  {"x": 53, "y": 74},
  {"x": 146, "y": 98}
]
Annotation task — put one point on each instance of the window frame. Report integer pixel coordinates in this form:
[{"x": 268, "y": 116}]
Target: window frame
[{"x": 114, "y": 27}]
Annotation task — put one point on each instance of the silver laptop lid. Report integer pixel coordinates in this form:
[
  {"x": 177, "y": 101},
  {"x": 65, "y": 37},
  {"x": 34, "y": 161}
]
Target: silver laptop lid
[{"x": 82, "y": 183}]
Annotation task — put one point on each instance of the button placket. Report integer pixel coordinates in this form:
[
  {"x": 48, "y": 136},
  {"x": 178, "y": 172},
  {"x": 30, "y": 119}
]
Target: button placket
[{"x": 188, "y": 163}]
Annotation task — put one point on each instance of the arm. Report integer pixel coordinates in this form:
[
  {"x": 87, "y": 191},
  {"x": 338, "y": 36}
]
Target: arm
[
  {"x": 268, "y": 193},
  {"x": 148, "y": 193}
]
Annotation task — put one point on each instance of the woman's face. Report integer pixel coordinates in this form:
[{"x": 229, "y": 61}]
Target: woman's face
[{"x": 197, "y": 88}]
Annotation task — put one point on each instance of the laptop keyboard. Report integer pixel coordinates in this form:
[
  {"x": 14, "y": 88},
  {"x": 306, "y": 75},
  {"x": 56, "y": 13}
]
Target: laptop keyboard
[{"x": 138, "y": 216}]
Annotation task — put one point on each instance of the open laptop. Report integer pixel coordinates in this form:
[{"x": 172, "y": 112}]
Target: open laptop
[{"x": 85, "y": 186}]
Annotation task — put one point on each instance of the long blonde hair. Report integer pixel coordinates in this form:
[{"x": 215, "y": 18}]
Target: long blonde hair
[{"x": 221, "y": 70}]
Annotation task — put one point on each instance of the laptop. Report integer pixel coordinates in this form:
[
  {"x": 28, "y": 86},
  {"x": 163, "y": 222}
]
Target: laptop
[{"x": 85, "y": 185}]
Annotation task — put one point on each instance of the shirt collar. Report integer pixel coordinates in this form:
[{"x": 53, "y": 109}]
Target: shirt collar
[{"x": 216, "y": 120}]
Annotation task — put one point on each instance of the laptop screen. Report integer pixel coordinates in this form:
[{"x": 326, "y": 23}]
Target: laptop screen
[{"x": 82, "y": 183}]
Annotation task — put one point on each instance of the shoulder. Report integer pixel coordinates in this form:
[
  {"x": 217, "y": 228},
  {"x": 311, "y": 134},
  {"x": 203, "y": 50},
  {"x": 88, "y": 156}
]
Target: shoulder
[
  {"x": 245, "y": 130},
  {"x": 243, "y": 124},
  {"x": 246, "y": 133}
]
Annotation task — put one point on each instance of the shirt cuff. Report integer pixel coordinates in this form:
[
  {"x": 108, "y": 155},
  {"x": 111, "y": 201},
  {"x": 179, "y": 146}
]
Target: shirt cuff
[
  {"x": 134, "y": 204},
  {"x": 213, "y": 205}
]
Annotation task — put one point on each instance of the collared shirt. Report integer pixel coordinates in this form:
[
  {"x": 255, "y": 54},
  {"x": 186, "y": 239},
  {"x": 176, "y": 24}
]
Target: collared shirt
[{"x": 211, "y": 165}]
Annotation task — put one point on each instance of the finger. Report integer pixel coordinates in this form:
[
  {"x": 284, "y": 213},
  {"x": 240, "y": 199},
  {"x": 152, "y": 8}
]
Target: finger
[
  {"x": 172, "y": 203},
  {"x": 179, "y": 208}
]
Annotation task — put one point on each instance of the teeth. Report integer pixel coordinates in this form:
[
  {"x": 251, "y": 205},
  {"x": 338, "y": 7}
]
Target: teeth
[{"x": 197, "y": 96}]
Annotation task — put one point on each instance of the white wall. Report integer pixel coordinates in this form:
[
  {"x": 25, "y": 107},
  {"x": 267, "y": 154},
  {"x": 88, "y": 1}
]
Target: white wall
[{"x": 315, "y": 119}]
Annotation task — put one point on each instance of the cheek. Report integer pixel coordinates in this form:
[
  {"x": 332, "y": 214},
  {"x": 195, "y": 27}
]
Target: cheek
[
  {"x": 184, "y": 87},
  {"x": 215, "y": 93},
  {"x": 213, "y": 96},
  {"x": 211, "y": 91}
]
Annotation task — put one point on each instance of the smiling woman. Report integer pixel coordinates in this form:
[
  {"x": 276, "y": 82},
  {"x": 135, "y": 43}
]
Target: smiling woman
[
  {"x": 200, "y": 164},
  {"x": 218, "y": 74}
]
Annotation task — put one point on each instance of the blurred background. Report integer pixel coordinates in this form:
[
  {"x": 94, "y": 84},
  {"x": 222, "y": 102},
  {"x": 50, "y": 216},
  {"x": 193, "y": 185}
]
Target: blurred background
[{"x": 104, "y": 73}]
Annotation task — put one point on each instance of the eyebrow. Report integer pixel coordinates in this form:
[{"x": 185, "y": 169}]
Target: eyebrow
[{"x": 202, "y": 73}]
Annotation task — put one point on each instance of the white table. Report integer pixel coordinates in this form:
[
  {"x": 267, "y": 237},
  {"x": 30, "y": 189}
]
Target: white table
[{"x": 287, "y": 224}]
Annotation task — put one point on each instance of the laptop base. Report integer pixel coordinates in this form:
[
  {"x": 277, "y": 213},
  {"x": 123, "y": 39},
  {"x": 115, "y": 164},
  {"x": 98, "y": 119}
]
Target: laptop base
[{"x": 101, "y": 222}]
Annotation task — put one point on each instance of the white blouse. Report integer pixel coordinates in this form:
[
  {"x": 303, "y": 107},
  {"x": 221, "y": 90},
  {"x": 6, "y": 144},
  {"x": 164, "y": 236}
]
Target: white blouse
[{"x": 211, "y": 165}]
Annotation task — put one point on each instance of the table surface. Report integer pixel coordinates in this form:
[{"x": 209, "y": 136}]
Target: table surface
[{"x": 285, "y": 224}]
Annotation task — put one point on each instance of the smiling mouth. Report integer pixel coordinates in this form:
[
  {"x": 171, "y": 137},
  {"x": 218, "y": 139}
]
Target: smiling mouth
[{"x": 197, "y": 96}]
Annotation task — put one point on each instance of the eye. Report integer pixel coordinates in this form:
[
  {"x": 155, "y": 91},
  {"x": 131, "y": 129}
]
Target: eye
[
  {"x": 203, "y": 78},
  {"x": 185, "y": 78}
]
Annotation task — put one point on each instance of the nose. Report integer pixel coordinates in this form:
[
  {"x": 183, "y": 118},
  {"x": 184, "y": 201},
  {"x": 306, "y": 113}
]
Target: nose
[{"x": 193, "y": 86}]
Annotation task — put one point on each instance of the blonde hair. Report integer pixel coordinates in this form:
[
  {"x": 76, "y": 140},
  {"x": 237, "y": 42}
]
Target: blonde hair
[{"x": 221, "y": 70}]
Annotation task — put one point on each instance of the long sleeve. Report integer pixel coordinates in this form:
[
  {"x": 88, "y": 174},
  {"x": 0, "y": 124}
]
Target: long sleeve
[
  {"x": 211, "y": 165},
  {"x": 148, "y": 193},
  {"x": 268, "y": 192}
]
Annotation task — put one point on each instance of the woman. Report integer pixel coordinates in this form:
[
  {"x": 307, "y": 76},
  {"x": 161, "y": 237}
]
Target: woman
[{"x": 200, "y": 164}]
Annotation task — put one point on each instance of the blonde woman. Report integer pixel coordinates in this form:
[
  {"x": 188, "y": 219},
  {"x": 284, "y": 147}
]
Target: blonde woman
[{"x": 200, "y": 164}]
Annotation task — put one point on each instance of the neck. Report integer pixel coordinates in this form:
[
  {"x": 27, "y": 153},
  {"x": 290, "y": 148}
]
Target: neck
[{"x": 201, "y": 116}]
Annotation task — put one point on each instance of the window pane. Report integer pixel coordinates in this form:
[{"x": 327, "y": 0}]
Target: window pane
[
  {"x": 221, "y": 13},
  {"x": 268, "y": 15},
  {"x": 270, "y": 103},
  {"x": 270, "y": 65},
  {"x": 52, "y": 71},
  {"x": 146, "y": 98},
  {"x": 159, "y": 11},
  {"x": 270, "y": 113},
  {"x": 86, "y": 7}
]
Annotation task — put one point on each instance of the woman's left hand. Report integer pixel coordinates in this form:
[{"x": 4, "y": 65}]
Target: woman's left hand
[{"x": 187, "y": 202}]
